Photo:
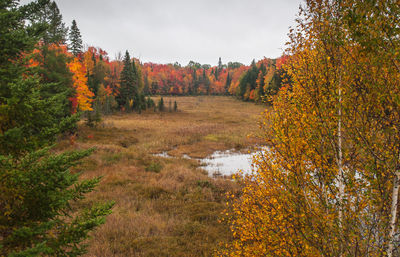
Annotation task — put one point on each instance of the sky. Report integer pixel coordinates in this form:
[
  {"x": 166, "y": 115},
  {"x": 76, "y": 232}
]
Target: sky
[{"x": 168, "y": 31}]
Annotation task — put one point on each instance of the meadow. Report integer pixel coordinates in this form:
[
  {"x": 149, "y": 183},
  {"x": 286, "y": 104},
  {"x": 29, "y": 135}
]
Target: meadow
[{"x": 164, "y": 206}]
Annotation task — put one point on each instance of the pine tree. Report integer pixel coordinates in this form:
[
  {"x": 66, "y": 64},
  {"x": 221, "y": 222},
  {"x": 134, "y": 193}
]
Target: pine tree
[
  {"x": 36, "y": 186},
  {"x": 206, "y": 82},
  {"x": 47, "y": 14},
  {"x": 23, "y": 98},
  {"x": 149, "y": 102},
  {"x": 75, "y": 39},
  {"x": 219, "y": 68},
  {"x": 170, "y": 106},
  {"x": 161, "y": 106},
  {"x": 36, "y": 193},
  {"x": 248, "y": 81},
  {"x": 146, "y": 87},
  {"x": 128, "y": 86},
  {"x": 227, "y": 83},
  {"x": 195, "y": 83}
]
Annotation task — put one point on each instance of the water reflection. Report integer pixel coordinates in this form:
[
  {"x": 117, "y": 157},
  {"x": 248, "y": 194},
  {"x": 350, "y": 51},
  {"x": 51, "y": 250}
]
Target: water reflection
[
  {"x": 227, "y": 163},
  {"x": 222, "y": 163}
]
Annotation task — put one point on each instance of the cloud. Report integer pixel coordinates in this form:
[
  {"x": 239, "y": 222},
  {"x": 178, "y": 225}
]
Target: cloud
[{"x": 165, "y": 31}]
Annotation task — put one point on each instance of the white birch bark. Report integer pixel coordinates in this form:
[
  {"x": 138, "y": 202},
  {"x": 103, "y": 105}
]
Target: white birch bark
[
  {"x": 393, "y": 213},
  {"x": 340, "y": 163}
]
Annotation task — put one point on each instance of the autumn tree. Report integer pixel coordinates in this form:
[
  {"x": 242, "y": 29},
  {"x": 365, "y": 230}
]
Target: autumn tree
[
  {"x": 83, "y": 98},
  {"x": 328, "y": 184},
  {"x": 75, "y": 39},
  {"x": 192, "y": 79},
  {"x": 374, "y": 31}
]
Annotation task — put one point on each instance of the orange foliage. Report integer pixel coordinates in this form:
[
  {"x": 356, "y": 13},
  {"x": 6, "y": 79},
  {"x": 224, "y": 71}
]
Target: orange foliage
[
  {"x": 83, "y": 98},
  {"x": 170, "y": 79}
]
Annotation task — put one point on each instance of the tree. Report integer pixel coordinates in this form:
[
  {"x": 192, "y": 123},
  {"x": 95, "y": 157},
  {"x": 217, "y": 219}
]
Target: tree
[
  {"x": 219, "y": 64},
  {"x": 161, "y": 106},
  {"x": 234, "y": 65},
  {"x": 75, "y": 39},
  {"x": 206, "y": 82},
  {"x": 328, "y": 186},
  {"x": 28, "y": 87},
  {"x": 149, "y": 102},
  {"x": 128, "y": 82},
  {"x": 248, "y": 82},
  {"x": 47, "y": 14},
  {"x": 83, "y": 96},
  {"x": 227, "y": 83},
  {"x": 37, "y": 187},
  {"x": 36, "y": 195}
]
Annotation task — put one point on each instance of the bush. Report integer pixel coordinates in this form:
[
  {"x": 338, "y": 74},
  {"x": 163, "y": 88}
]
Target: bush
[
  {"x": 154, "y": 167},
  {"x": 161, "y": 106}
]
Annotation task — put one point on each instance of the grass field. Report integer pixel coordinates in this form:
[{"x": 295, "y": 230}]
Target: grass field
[{"x": 164, "y": 206}]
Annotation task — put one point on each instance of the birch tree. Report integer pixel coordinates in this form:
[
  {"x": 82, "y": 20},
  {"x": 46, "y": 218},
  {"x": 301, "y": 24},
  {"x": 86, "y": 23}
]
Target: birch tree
[{"x": 329, "y": 184}]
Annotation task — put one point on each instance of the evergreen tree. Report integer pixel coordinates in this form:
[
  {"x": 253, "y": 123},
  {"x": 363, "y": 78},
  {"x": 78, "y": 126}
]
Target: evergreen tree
[
  {"x": 219, "y": 68},
  {"x": 227, "y": 83},
  {"x": 98, "y": 75},
  {"x": 195, "y": 83},
  {"x": 248, "y": 81},
  {"x": 24, "y": 124},
  {"x": 161, "y": 106},
  {"x": 46, "y": 13},
  {"x": 234, "y": 65},
  {"x": 146, "y": 87},
  {"x": 149, "y": 102},
  {"x": 36, "y": 193},
  {"x": 143, "y": 105},
  {"x": 75, "y": 39},
  {"x": 36, "y": 186},
  {"x": 128, "y": 86},
  {"x": 206, "y": 82},
  {"x": 55, "y": 73}
]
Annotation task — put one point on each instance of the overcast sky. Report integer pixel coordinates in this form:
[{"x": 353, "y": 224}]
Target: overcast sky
[{"x": 165, "y": 31}]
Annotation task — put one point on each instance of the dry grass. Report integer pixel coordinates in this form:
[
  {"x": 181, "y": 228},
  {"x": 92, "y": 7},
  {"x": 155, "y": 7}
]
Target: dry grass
[{"x": 164, "y": 207}]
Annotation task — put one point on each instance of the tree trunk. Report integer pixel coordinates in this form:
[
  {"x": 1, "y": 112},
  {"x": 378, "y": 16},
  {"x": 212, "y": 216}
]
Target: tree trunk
[
  {"x": 393, "y": 213},
  {"x": 340, "y": 167}
]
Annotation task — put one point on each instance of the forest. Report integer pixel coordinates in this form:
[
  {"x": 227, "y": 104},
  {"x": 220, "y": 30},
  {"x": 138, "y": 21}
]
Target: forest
[{"x": 102, "y": 156}]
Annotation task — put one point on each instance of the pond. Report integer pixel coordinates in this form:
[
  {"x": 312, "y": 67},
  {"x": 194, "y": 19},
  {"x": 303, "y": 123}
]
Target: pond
[
  {"x": 222, "y": 163},
  {"x": 226, "y": 163}
]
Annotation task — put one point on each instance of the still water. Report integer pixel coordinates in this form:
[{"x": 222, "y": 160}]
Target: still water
[
  {"x": 222, "y": 163},
  {"x": 226, "y": 163}
]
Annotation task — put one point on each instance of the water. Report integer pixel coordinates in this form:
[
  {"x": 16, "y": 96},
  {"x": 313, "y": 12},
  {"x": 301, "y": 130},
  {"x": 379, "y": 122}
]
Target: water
[
  {"x": 162, "y": 154},
  {"x": 227, "y": 163},
  {"x": 222, "y": 163}
]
